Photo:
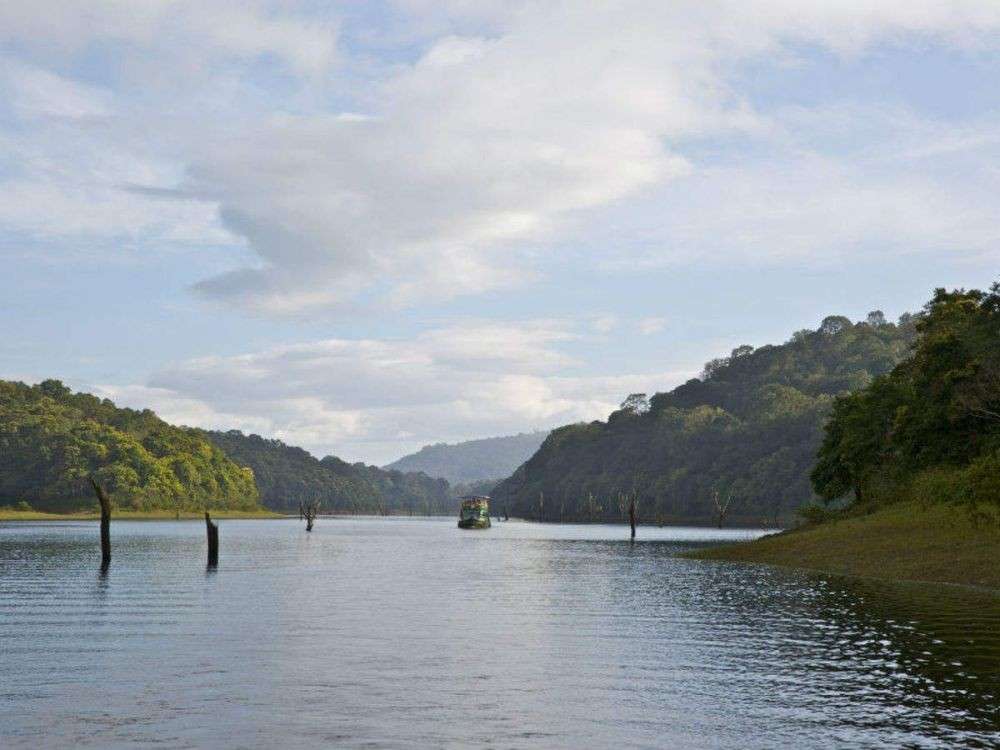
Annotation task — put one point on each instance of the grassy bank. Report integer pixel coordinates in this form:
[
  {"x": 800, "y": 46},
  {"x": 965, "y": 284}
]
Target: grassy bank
[
  {"x": 11, "y": 514},
  {"x": 939, "y": 543}
]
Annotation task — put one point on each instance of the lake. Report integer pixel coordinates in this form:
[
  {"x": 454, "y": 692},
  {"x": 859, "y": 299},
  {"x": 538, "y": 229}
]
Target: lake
[{"x": 407, "y": 632}]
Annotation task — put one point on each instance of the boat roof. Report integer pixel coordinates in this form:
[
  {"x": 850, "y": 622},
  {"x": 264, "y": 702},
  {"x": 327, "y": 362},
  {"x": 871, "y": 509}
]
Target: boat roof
[{"x": 474, "y": 497}]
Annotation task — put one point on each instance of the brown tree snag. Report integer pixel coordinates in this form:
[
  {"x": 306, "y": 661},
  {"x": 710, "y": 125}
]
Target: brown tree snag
[
  {"x": 722, "y": 508},
  {"x": 309, "y": 513},
  {"x": 105, "y": 502},
  {"x": 212, "y": 529}
]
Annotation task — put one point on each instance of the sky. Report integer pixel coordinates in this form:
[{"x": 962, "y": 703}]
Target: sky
[{"x": 362, "y": 227}]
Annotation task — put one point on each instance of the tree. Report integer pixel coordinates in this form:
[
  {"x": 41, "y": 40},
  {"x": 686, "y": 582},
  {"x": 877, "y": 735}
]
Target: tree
[
  {"x": 834, "y": 324},
  {"x": 876, "y": 319},
  {"x": 636, "y": 403},
  {"x": 722, "y": 507},
  {"x": 714, "y": 366}
]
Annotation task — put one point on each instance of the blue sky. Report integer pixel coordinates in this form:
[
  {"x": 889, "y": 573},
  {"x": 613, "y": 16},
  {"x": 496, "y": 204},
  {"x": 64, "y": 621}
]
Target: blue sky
[{"x": 366, "y": 227}]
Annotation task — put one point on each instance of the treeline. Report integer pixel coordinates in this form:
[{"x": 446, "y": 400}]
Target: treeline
[
  {"x": 52, "y": 440},
  {"x": 287, "y": 476},
  {"x": 929, "y": 430},
  {"x": 743, "y": 436}
]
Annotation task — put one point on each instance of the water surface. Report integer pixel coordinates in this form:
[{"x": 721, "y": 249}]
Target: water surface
[{"x": 412, "y": 633}]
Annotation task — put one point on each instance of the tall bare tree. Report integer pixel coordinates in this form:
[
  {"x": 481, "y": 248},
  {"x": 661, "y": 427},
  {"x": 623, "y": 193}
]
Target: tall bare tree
[{"x": 722, "y": 507}]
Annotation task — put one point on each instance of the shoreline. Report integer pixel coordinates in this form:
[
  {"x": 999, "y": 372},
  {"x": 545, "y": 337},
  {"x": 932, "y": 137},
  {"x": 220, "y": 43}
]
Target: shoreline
[
  {"x": 150, "y": 515},
  {"x": 908, "y": 543}
]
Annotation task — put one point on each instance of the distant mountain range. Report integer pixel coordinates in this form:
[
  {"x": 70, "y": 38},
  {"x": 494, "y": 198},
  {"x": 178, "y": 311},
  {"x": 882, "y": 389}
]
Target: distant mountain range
[{"x": 473, "y": 461}]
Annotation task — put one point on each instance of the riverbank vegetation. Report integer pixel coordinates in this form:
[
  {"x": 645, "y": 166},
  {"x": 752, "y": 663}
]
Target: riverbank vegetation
[{"x": 52, "y": 441}]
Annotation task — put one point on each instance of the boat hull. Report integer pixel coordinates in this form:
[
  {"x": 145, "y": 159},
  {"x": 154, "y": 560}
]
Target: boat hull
[{"x": 474, "y": 523}]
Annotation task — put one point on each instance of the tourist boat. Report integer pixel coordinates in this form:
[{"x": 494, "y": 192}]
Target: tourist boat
[{"x": 475, "y": 513}]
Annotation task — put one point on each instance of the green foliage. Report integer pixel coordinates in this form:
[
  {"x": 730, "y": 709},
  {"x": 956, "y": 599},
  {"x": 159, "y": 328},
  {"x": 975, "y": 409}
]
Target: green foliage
[
  {"x": 473, "y": 460},
  {"x": 748, "y": 428},
  {"x": 288, "y": 476},
  {"x": 928, "y": 430},
  {"x": 51, "y": 440}
]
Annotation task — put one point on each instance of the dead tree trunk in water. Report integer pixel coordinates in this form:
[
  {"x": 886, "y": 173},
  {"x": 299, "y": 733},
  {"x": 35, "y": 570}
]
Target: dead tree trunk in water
[
  {"x": 309, "y": 513},
  {"x": 105, "y": 502},
  {"x": 212, "y": 529},
  {"x": 631, "y": 515},
  {"x": 721, "y": 508}
]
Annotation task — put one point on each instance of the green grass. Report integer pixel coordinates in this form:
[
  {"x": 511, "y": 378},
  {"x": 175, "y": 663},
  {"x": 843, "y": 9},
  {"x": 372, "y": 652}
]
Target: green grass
[
  {"x": 909, "y": 542},
  {"x": 12, "y": 514}
]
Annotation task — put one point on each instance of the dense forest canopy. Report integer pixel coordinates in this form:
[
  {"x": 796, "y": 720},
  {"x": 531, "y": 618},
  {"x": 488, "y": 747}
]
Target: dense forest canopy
[
  {"x": 52, "y": 440},
  {"x": 746, "y": 432},
  {"x": 930, "y": 429},
  {"x": 287, "y": 476},
  {"x": 473, "y": 461}
]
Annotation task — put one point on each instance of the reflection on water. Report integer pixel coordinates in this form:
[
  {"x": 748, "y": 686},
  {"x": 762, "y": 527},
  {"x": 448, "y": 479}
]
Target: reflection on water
[{"x": 402, "y": 633}]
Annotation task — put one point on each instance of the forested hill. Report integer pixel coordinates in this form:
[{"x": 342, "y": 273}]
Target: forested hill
[
  {"x": 473, "y": 460},
  {"x": 747, "y": 430},
  {"x": 52, "y": 440},
  {"x": 287, "y": 476}
]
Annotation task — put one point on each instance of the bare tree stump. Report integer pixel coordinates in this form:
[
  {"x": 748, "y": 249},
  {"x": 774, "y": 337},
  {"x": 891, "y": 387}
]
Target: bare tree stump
[
  {"x": 212, "y": 529},
  {"x": 105, "y": 502},
  {"x": 309, "y": 512}
]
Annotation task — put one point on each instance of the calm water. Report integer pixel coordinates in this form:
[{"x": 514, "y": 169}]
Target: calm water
[{"x": 411, "y": 633}]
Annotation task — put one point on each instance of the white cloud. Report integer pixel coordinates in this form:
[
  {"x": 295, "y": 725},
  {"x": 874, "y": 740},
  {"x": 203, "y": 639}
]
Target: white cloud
[
  {"x": 905, "y": 185},
  {"x": 445, "y": 175},
  {"x": 649, "y": 326},
  {"x": 34, "y": 92},
  {"x": 604, "y": 323},
  {"x": 487, "y": 144},
  {"x": 373, "y": 399},
  {"x": 199, "y": 32}
]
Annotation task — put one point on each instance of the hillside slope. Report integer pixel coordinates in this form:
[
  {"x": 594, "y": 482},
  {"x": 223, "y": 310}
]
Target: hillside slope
[
  {"x": 287, "y": 476},
  {"x": 52, "y": 440},
  {"x": 747, "y": 430},
  {"x": 473, "y": 460}
]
